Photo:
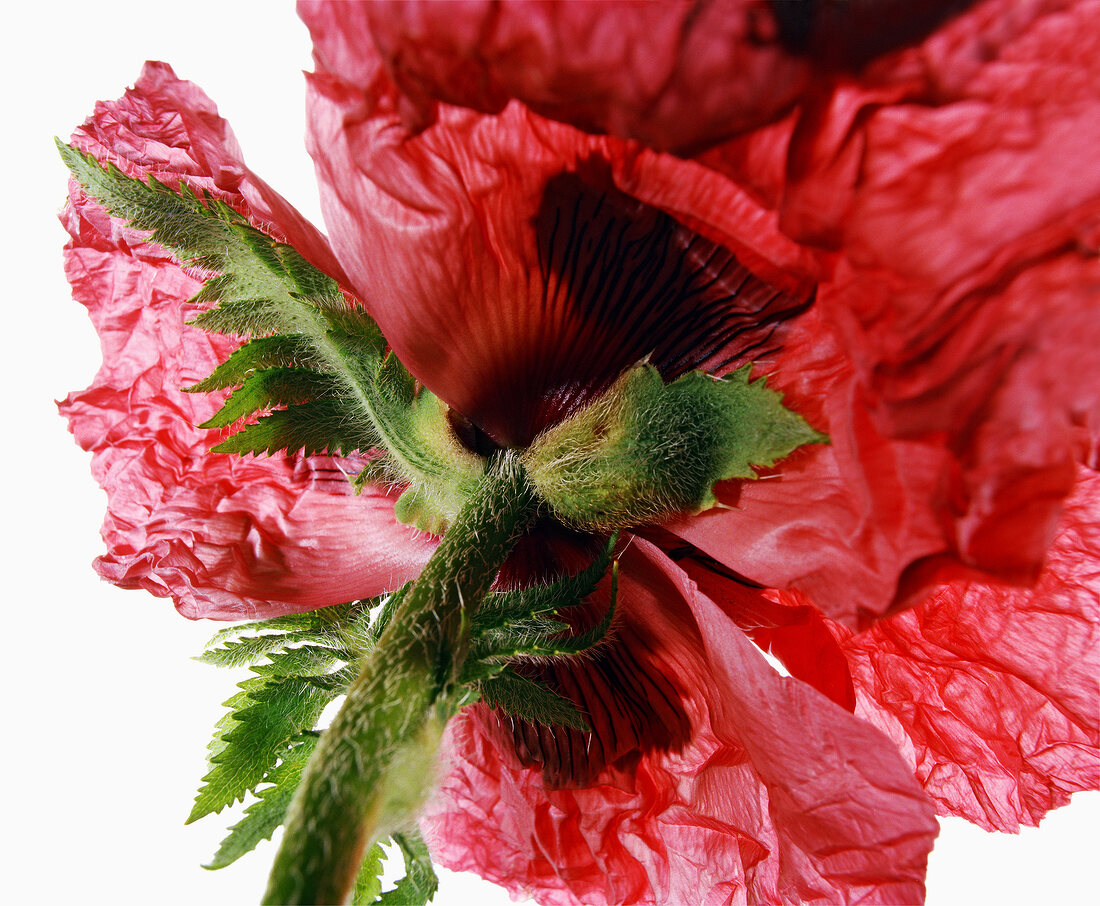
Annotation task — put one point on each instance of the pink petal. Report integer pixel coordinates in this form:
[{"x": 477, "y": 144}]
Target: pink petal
[
  {"x": 674, "y": 76},
  {"x": 991, "y": 691},
  {"x": 225, "y": 537},
  {"x": 958, "y": 180},
  {"x": 841, "y": 523},
  {"x": 517, "y": 266},
  {"x": 169, "y": 129},
  {"x": 779, "y": 796}
]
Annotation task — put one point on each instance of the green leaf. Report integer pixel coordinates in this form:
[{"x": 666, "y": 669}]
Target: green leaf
[
  {"x": 206, "y": 233},
  {"x": 328, "y": 425},
  {"x": 420, "y": 882},
  {"x": 245, "y": 651},
  {"x": 647, "y": 451},
  {"x": 368, "y": 883},
  {"x": 519, "y": 696},
  {"x": 253, "y": 356},
  {"x": 301, "y": 662},
  {"x": 253, "y": 318},
  {"x": 269, "y": 388},
  {"x": 268, "y": 716},
  {"x": 267, "y": 291},
  {"x": 507, "y": 608},
  {"x": 268, "y": 812},
  {"x": 529, "y": 639}
]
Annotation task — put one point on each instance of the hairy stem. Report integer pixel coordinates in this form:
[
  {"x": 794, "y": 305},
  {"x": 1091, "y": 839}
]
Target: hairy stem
[{"x": 373, "y": 766}]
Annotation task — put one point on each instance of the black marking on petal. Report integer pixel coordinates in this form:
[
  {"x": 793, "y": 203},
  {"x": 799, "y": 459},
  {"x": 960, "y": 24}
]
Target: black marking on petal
[
  {"x": 624, "y": 282},
  {"x": 850, "y": 33}
]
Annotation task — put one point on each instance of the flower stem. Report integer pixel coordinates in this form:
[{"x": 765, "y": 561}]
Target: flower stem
[{"x": 374, "y": 764}]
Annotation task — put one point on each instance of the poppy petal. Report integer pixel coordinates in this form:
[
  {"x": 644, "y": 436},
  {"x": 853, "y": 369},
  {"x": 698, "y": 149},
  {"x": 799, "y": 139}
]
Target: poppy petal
[
  {"x": 957, "y": 180},
  {"x": 842, "y": 523},
  {"x": 225, "y": 537},
  {"x": 516, "y": 266},
  {"x": 675, "y": 76},
  {"x": 999, "y": 731},
  {"x": 168, "y": 128},
  {"x": 748, "y": 809}
]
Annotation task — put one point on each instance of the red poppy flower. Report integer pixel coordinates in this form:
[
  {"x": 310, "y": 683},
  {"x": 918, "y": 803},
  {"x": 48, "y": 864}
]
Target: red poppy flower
[{"x": 479, "y": 244}]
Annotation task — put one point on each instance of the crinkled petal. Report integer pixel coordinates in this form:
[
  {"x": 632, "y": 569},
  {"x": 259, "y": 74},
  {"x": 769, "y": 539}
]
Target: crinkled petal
[
  {"x": 991, "y": 691},
  {"x": 168, "y": 128},
  {"x": 518, "y": 266},
  {"x": 225, "y": 537},
  {"x": 959, "y": 182},
  {"x": 779, "y": 796},
  {"x": 844, "y": 522},
  {"x": 673, "y": 75}
]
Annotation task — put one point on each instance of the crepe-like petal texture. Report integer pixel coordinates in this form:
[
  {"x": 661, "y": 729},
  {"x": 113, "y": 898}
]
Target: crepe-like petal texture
[
  {"x": 959, "y": 182},
  {"x": 225, "y": 537},
  {"x": 502, "y": 255},
  {"x": 442, "y": 233},
  {"x": 674, "y": 75},
  {"x": 992, "y": 692},
  {"x": 946, "y": 194},
  {"x": 779, "y": 796}
]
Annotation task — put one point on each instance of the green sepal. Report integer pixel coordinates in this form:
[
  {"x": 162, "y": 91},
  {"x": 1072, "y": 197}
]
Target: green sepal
[
  {"x": 266, "y": 814},
  {"x": 522, "y": 697},
  {"x": 647, "y": 451}
]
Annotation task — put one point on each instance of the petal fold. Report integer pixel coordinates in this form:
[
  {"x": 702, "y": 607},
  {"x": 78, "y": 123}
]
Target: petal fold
[
  {"x": 779, "y": 796},
  {"x": 991, "y": 691},
  {"x": 224, "y": 537},
  {"x": 673, "y": 75}
]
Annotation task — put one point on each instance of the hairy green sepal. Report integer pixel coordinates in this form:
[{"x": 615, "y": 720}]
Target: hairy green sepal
[
  {"x": 315, "y": 375},
  {"x": 647, "y": 451}
]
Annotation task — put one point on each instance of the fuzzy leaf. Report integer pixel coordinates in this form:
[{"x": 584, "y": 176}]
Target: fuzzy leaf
[
  {"x": 253, "y": 356},
  {"x": 368, "y": 883},
  {"x": 330, "y": 425},
  {"x": 507, "y": 608},
  {"x": 269, "y": 715},
  {"x": 273, "y": 387},
  {"x": 267, "y": 813},
  {"x": 204, "y": 232},
  {"x": 264, "y": 289},
  {"x": 305, "y": 661},
  {"x": 420, "y": 882},
  {"x": 254, "y": 318},
  {"x": 245, "y": 651},
  {"x": 517, "y": 695},
  {"x": 529, "y": 639}
]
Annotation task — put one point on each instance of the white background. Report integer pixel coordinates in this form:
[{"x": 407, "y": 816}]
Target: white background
[{"x": 106, "y": 715}]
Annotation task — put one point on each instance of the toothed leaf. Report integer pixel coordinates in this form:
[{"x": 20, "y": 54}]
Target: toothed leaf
[
  {"x": 256, "y": 355},
  {"x": 268, "y": 812},
  {"x": 270, "y": 388},
  {"x": 524, "y": 698},
  {"x": 268, "y": 717},
  {"x": 368, "y": 883},
  {"x": 506, "y": 608},
  {"x": 316, "y": 427},
  {"x": 420, "y": 882}
]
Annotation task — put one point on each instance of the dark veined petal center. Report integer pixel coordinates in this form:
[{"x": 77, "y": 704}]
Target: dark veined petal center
[{"x": 621, "y": 283}]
